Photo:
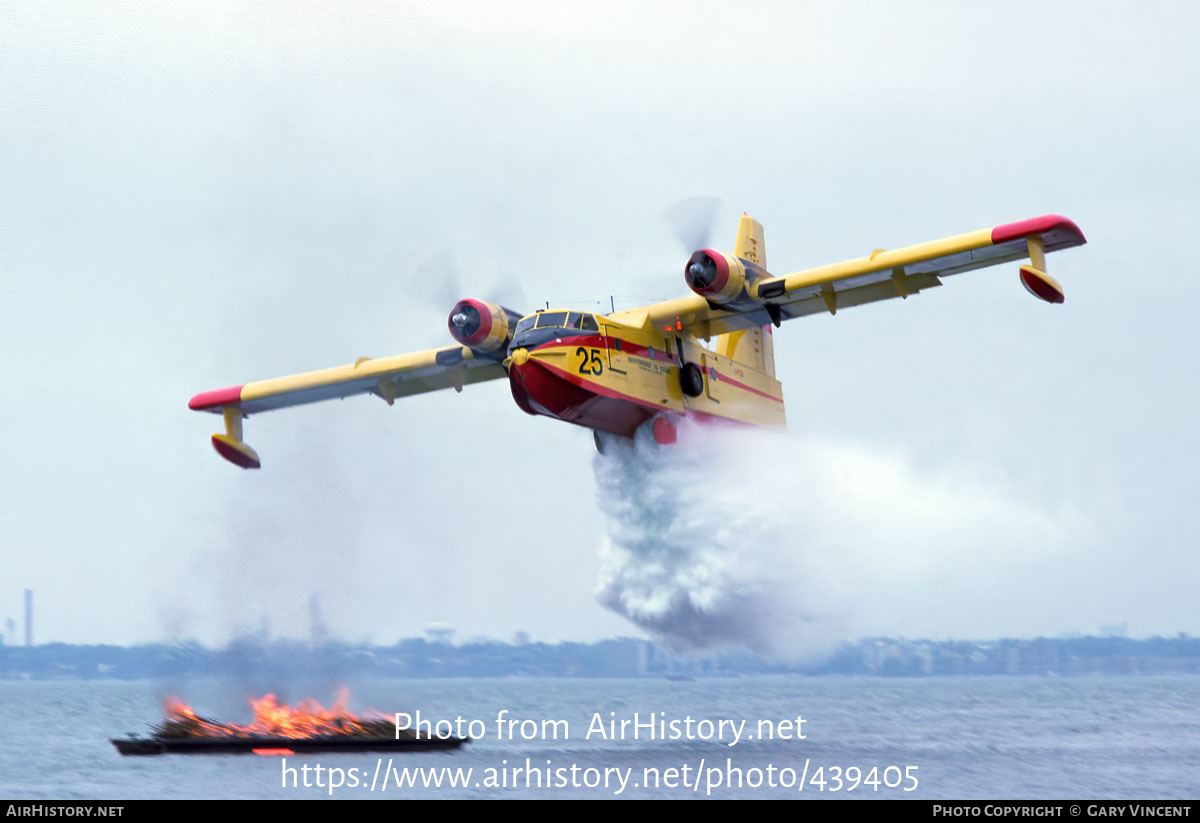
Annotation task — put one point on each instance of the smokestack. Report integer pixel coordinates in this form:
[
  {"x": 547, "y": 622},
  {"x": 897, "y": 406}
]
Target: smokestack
[{"x": 29, "y": 617}]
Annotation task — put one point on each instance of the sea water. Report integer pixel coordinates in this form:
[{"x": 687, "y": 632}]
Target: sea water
[{"x": 953, "y": 737}]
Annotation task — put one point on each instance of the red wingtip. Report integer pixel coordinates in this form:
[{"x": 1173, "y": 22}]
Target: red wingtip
[
  {"x": 1067, "y": 233},
  {"x": 212, "y": 399}
]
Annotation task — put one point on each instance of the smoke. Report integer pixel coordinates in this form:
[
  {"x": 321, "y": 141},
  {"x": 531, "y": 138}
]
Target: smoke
[{"x": 789, "y": 545}]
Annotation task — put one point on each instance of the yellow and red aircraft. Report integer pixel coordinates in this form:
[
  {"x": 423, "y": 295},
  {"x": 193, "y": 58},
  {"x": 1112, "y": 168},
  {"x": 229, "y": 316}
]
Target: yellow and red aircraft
[{"x": 616, "y": 372}]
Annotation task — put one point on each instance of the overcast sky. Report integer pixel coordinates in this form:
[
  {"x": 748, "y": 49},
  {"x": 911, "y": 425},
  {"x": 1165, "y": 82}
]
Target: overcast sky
[{"x": 200, "y": 195}]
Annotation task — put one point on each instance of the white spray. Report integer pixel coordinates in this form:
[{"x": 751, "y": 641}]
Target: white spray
[{"x": 789, "y": 545}]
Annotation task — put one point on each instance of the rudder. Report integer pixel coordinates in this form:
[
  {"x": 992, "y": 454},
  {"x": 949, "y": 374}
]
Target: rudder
[{"x": 754, "y": 347}]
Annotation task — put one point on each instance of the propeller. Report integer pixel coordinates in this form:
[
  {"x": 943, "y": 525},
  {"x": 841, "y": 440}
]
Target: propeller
[
  {"x": 701, "y": 271},
  {"x": 692, "y": 221},
  {"x": 439, "y": 277},
  {"x": 508, "y": 293},
  {"x": 466, "y": 320}
]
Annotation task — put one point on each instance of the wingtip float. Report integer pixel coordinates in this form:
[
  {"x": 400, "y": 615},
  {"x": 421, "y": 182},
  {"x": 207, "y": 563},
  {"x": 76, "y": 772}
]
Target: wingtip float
[
  {"x": 229, "y": 445},
  {"x": 613, "y": 373},
  {"x": 1044, "y": 234}
]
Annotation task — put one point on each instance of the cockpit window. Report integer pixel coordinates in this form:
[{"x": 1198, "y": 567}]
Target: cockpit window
[
  {"x": 557, "y": 320},
  {"x": 583, "y": 322},
  {"x": 551, "y": 319}
]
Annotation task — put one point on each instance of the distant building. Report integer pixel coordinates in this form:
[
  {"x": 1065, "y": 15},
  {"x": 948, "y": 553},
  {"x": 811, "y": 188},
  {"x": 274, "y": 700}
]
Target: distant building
[{"x": 29, "y": 617}]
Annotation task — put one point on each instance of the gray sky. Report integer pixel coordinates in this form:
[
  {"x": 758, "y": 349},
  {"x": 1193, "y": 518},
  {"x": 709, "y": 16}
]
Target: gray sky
[{"x": 199, "y": 195}]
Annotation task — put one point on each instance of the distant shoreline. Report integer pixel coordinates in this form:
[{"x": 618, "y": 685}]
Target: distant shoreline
[{"x": 623, "y": 657}]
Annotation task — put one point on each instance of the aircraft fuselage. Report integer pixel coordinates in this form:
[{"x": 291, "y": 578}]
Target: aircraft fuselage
[{"x": 614, "y": 377}]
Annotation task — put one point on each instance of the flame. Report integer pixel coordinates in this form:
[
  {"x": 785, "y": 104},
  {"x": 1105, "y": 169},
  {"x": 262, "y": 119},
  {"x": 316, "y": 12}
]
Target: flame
[{"x": 274, "y": 719}]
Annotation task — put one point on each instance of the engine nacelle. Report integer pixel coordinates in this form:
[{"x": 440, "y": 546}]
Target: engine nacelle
[
  {"x": 721, "y": 278},
  {"x": 482, "y": 325},
  {"x": 715, "y": 276}
]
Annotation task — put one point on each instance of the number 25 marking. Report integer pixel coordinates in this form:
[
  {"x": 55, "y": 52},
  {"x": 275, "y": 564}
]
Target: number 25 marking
[{"x": 590, "y": 362}]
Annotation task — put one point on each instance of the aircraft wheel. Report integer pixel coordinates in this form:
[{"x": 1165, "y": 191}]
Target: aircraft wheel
[
  {"x": 691, "y": 380},
  {"x": 596, "y": 439}
]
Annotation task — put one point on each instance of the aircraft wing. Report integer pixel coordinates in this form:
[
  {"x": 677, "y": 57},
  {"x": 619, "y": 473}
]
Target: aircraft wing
[
  {"x": 385, "y": 377},
  {"x": 881, "y": 275}
]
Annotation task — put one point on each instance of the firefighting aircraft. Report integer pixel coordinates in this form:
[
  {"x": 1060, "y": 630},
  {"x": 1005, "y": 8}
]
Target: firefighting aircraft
[{"x": 616, "y": 372}]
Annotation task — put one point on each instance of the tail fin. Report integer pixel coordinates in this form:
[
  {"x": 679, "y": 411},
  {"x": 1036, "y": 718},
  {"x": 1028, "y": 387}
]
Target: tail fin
[{"x": 754, "y": 347}]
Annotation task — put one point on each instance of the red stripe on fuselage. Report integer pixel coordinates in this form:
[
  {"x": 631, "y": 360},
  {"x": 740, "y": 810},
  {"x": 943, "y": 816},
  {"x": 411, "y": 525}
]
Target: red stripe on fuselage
[
  {"x": 722, "y": 378},
  {"x": 601, "y": 342},
  {"x": 643, "y": 351}
]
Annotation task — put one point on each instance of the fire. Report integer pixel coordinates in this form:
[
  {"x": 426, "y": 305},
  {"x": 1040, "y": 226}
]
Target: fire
[{"x": 274, "y": 719}]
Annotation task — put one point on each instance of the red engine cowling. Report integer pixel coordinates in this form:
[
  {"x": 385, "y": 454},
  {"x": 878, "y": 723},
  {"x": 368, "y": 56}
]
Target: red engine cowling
[
  {"x": 723, "y": 279},
  {"x": 482, "y": 325},
  {"x": 715, "y": 276}
]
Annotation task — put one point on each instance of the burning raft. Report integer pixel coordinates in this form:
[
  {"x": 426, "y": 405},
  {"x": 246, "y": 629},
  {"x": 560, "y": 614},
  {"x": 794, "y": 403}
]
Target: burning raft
[{"x": 281, "y": 730}]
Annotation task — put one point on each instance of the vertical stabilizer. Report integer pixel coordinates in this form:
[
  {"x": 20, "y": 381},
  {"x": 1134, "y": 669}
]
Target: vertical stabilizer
[{"x": 754, "y": 347}]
